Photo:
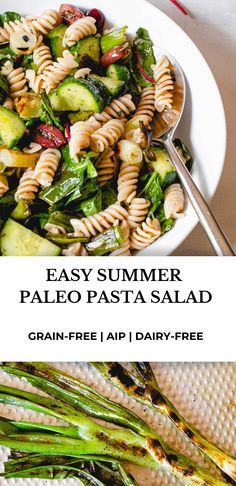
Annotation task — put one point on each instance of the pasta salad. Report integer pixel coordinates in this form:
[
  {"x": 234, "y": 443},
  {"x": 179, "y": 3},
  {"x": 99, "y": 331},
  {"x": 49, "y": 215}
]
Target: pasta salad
[{"x": 79, "y": 174}]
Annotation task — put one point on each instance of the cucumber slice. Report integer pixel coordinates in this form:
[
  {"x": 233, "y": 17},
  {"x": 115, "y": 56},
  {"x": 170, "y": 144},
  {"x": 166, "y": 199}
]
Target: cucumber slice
[
  {"x": 56, "y": 38},
  {"x": 162, "y": 163},
  {"x": 118, "y": 72},
  {"x": 103, "y": 90},
  {"x": 115, "y": 87},
  {"x": 16, "y": 240},
  {"x": 77, "y": 95},
  {"x": 90, "y": 46},
  {"x": 79, "y": 116},
  {"x": 12, "y": 128}
]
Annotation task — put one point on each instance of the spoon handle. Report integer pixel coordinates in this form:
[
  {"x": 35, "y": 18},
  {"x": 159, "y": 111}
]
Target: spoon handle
[{"x": 212, "y": 229}]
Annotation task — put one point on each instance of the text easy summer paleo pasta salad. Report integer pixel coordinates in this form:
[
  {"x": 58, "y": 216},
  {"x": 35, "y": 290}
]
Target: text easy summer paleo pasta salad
[{"x": 78, "y": 172}]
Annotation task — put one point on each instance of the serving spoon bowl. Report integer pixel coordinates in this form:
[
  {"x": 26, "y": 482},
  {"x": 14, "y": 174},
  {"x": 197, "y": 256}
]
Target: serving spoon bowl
[{"x": 165, "y": 125}]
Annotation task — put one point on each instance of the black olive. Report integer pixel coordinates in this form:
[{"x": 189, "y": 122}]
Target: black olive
[{"x": 25, "y": 38}]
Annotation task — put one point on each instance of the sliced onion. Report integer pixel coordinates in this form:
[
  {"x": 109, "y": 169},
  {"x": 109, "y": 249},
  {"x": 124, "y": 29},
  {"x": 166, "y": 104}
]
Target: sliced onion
[{"x": 22, "y": 43}]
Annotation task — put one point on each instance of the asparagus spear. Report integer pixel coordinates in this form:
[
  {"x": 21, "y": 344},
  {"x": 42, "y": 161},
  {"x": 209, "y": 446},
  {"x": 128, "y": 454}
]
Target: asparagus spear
[
  {"x": 154, "y": 449},
  {"x": 143, "y": 387}
]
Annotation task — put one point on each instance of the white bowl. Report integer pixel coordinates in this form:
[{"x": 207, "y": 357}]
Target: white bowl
[{"x": 203, "y": 127}]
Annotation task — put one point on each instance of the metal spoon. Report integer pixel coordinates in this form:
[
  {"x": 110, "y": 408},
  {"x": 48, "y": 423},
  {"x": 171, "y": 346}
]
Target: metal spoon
[{"x": 164, "y": 129}]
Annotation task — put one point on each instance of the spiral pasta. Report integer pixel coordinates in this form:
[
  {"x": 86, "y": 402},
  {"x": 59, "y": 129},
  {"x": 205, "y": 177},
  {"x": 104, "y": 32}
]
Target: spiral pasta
[
  {"x": 83, "y": 27},
  {"x": 164, "y": 84},
  {"x": 145, "y": 234},
  {"x": 42, "y": 58},
  {"x": 54, "y": 229},
  {"x": 75, "y": 249},
  {"x": 174, "y": 201},
  {"x": 81, "y": 136},
  {"x": 28, "y": 187},
  {"x": 35, "y": 82},
  {"x": 93, "y": 225},
  {"x": 20, "y": 26},
  {"x": 33, "y": 148},
  {"x": 81, "y": 73},
  {"x": 59, "y": 69},
  {"x": 3, "y": 185},
  {"x": 106, "y": 167},
  {"x": 17, "y": 82},
  {"x": 127, "y": 181},
  {"x": 146, "y": 105},
  {"x": 46, "y": 22},
  {"x": 46, "y": 166},
  {"x": 138, "y": 210},
  {"x": 107, "y": 135},
  {"x": 119, "y": 108},
  {"x": 124, "y": 249}
]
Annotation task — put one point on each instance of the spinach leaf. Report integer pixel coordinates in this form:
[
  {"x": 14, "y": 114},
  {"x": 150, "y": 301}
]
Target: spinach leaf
[
  {"x": 93, "y": 205},
  {"x": 167, "y": 225},
  {"x": 70, "y": 183},
  {"x": 62, "y": 219},
  {"x": 37, "y": 220},
  {"x": 142, "y": 56},
  {"x": 152, "y": 190},
  {"x": 109, "y": 194},
  {"x": 4, "y": 88},
  {"x": 87, "y": 189},
  {"x": 8, "y": 17}
]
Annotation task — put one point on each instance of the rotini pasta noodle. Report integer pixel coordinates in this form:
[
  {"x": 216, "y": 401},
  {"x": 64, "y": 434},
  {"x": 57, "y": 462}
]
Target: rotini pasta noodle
[
  {"x": 75, "y": 249},
  {"x": 46, "y": 166},
  {"x": 146, "y": 105},
  {"x": 81, "y": 73},
  {"x": 54, "y": 229},
  {"x": 35, "y": 81},
  {"x": 55, "y": 73},
  {"x": 83, "y": 27},
  {"x": 42, "y": 58},
  {"x": 7, "y": 68},
  {"x": 138, "y": 210},
  {"x": 33, "y": 148},
  {"x": 9, "y": 104},
  {"x": 174, "y": 201},
  {"x": 28, "y": 187},
  {"x": 119, "y": 108},
  {"x": 127, "y": 181},
  {"x": 17, "y": 82},
  {"x": 164, "y": 84},
  {"x": 107, "y": 135},
  {"x": 3, "y": 185},
  {"x": 46, "y": 22},
  {"x": 19, "y": 26},
  {"x": 145, "y": 234},
  {"x": 81, "y": 136},
  {"x": 93, "y": 225},
  {"x": 124, "y": 249},
  {"x": 106, "y": 167}
]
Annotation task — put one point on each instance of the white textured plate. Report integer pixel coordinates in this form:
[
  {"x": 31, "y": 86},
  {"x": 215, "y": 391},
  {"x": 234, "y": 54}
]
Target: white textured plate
[
  {"x": 203, "y": 128},
  {"x": 203, "y": 393}
]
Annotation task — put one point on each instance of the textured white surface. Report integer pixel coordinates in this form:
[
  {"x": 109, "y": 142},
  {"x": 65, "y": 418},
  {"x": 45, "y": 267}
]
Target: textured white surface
[
  {"x": 212, "y": 26},
  {"x": 204, "y": 393}
]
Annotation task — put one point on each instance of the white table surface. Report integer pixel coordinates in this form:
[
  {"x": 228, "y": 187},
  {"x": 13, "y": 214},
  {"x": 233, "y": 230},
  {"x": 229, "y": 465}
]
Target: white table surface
[{"x": 212, "y": 26}]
